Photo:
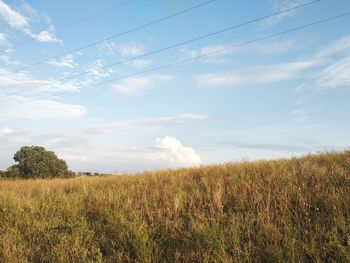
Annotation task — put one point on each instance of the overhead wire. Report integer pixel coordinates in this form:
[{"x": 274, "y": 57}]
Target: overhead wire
[
  {"x": 116, "y": 35},
  {"x": 78, "y": 21},
  {"x": 294, "y": 29},
  {"x": 79, "y": 74}
]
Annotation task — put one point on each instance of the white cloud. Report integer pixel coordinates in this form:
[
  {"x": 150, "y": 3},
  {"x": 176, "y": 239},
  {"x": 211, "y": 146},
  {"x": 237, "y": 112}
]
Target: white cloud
[
  {"x": 9, "y": 61},
  {"x": 66, "y": 61},
  {"x": 280, "y": 5},
  {"x": 5, "y": 131},
  {"x": 336, "y": 75},
  {"x": 13, "y": 82},
  {"x": 333, "y": 69},
  {"x": 138, "y": 85},
  {"x": 138, "y": 63},
  {"x": 97, "y": 72},
  {"x": 19, "y": 21},
  {"x": 3, "y": 39},
  {"x": 172, "y": 150},
  {"x": 158, "y": 121},
  {"x": 334, "y": 48},
  {"x": 218, "y": 56},
  {"x": 30, "y": 105},
  {"x": 13, "y": 18},
  {"x": 256, "y": 75},
  {"x": 131, "y": 48},
  {"x": 44, "y": 109},
  {"x": 46, "y": 36}
]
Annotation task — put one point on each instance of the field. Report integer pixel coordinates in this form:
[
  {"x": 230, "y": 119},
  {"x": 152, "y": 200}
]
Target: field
[{"x": 295, "y": 210}]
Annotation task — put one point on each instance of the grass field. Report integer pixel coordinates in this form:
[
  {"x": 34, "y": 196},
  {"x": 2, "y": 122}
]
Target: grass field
[{"x": 295, "y": 210}]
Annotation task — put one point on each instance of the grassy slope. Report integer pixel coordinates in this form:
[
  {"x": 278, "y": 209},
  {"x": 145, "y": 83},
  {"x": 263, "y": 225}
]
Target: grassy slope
[{"x": 272, "y": 211}]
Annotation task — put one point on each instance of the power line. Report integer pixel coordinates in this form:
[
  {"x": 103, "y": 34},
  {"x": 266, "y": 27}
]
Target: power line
[
  {"x": 195, "y": 57},
  {"x": 118, "y": 35},
  {"x": 163, "y": 49},
  {"x": 80, "y": 20}
]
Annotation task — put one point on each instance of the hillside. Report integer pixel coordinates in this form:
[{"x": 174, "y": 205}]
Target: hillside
[{"x": 293, "y": 210}]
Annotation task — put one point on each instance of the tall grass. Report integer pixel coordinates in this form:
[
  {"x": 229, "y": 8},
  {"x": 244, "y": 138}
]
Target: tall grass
[{"x": 294, "y": 210}]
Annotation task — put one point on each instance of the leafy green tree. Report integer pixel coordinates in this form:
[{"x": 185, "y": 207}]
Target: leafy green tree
[
  {"x": 12, "y": 172},
  {"x": 37, "y": 162}
]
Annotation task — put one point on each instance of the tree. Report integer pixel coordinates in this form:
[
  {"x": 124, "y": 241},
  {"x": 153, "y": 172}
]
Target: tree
[
  {"x": 37, "y": 162},
  {"x": 12, "y": 172}
]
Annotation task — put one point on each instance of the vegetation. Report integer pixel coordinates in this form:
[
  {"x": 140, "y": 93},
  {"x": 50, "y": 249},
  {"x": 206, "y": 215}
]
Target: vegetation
[
  {"x": 36, "y": 162},
  {"x": 267, "y": 211}
]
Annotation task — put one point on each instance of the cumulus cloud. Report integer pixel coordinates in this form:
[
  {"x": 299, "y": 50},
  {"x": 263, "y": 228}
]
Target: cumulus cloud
[
  {"x": 256, "y": 75},
  {"x": 138, "y": 85},
  {"x": 172, "y": 150}
]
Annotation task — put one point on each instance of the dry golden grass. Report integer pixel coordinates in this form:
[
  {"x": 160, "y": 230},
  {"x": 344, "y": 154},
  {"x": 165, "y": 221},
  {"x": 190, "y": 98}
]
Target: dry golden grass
[{"x": 294, "y": 210}]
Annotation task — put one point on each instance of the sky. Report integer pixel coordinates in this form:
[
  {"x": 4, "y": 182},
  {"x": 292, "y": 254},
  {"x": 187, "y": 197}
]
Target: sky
[{"x": 128, "y": 86}]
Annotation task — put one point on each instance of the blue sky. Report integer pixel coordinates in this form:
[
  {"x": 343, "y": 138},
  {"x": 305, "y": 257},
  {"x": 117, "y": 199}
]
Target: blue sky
[{"x": 280, "y": 97}]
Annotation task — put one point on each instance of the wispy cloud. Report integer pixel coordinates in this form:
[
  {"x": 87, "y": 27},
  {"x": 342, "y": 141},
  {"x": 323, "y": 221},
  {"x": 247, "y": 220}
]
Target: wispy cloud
[
  {"x": 45, "y": 109},
  {"x": 13, "y": 18},
  {"x": 336, "y": 75},
  {"x": 146, "y": 122},
  {"x": 17, "y": 20},
  {"x": 67, "y": 61},
  {"x": 29, "y": 104},
  {"x": 280, "y": 5},
  {"x": 138, "y": 85},
  {"x": 5, "y": 131},
  {"x": 333, "y": 67},
  {"x": 267, "y": 146},
  {"x": 227, "y": 55},
  {"x": 12, "y": 82},
  {"x": 127, "y": 49},
  {"x": 256, "y": 75},
  {"x": 47, "y": 36},
  {"x": 3, "y": 39},
  {"x": 97, "y": 72},
  {"x": 9, "y": 61},
  {"x": 335, "y": 48}
]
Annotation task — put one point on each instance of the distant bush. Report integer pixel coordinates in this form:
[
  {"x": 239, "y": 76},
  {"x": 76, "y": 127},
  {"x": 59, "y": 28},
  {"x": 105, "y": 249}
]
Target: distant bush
[{"x": 37, "y": 162}]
